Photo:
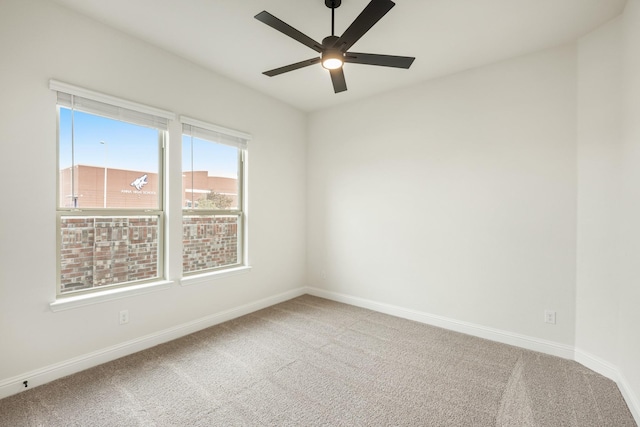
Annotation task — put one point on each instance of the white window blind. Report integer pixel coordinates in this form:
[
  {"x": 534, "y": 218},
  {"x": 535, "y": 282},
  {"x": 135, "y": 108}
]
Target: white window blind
[
  {"x": 108, "y": 106},
  {"x": 209, "y": 132}
]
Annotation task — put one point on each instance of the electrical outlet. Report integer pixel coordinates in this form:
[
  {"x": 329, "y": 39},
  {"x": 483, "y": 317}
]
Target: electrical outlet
[
  {"x": 550, "y": 317},
  {"x": 124, "y": 316}
]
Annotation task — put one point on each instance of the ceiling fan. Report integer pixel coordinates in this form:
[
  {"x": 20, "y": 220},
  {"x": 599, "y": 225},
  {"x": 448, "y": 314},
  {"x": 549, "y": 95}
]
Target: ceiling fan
[{"x": 334, "y": 50}]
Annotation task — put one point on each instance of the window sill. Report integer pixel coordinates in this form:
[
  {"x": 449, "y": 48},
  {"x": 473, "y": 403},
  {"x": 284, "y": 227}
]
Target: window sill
[
  {"x": 66, "y": 303},
  {"x": 206, "y": 277}
]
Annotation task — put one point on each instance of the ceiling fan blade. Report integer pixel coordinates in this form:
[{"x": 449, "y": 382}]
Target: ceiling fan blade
[
  {"x": 337, "y": 78},
  {"x": 288, "y": 30},
  {"x": 382, "y": 60},
  {"x": 292, "y": 67},
  {"x": 371, "y": 14}
]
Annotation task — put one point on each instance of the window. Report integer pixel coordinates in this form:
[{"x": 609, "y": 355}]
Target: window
[
  {"x": 110, "y": 213},
  {"x": 111, "y": 205},
  {"x": 213, "y": 217}
]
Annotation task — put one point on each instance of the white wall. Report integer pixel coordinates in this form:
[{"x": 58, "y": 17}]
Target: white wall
[
  {"x": 608, "y": 295},
  {"x": 629, "y": 320},
  {"x": 40, "y": 40},
  {"x": 456, "y": 197},
  {"x": 599, "y": 179}
]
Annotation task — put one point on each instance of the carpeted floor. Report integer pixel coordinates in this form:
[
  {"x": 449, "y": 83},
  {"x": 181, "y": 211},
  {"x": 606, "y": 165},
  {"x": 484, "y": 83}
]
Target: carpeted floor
[{"x": 312, "y": 362}]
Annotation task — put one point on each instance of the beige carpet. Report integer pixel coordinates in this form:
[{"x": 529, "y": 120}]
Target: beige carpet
[{"x": 314, "y": 362}]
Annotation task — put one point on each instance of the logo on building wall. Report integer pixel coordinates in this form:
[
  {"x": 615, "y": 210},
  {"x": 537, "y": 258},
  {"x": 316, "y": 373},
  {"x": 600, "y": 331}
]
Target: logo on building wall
[{"x": 140, "y": 182}]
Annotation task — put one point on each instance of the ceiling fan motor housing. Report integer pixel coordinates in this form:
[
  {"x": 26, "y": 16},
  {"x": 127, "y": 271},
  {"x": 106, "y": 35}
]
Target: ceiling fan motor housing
[
  {"x": 332, "y": 57},
  {"x": 329, "y": 41}
]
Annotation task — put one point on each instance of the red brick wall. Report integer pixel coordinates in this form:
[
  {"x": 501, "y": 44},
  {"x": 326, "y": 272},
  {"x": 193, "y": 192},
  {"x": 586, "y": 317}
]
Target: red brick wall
[
  {"x": 209, "y": 242},
  {"x": 101, "y": 251},
  {"x": 98, "y": 251}
]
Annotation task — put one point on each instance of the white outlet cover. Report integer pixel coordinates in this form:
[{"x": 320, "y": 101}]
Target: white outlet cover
[{"x": 550, "y": 317}]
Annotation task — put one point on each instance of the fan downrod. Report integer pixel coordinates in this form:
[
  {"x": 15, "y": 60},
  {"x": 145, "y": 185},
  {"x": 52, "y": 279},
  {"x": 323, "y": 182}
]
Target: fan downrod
[{"x": 333, "y": 4}]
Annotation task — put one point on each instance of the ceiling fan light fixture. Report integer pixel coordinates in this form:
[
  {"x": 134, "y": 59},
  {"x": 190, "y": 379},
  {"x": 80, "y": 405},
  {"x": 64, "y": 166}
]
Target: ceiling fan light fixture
[
  {"x": 332, "y": 63},
  {"x": 332, "y": 60}
]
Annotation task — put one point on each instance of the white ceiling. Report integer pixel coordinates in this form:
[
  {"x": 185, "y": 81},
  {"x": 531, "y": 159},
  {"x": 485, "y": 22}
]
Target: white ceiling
[{"x": 445, "y": 36}]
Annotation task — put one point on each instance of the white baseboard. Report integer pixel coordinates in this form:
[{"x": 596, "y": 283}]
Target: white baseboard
[
  {"x": 630, "y": 397},
  {"x": 58, "y": 370},
  {"x": 505, "y": 337},
  {"x": 597, "y": 364},
  {"x": 610, "y": 371}
]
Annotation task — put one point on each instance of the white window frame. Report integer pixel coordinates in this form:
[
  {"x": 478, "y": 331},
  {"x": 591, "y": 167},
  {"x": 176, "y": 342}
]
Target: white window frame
[
  {"x": 118, "y": 109},
  {"x": 221, "y": 135}
]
